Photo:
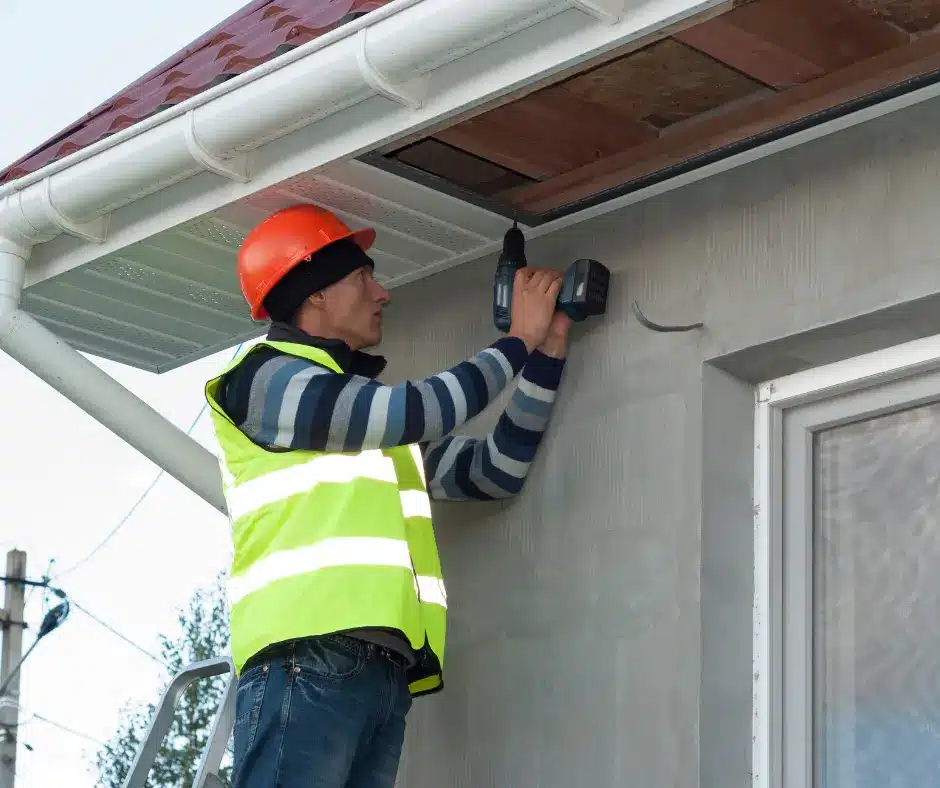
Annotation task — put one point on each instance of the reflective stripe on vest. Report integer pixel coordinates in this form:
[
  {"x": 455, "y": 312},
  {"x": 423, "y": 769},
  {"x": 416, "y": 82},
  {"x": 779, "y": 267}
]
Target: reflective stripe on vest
[
  {"x": 334, "y": 552},
  {"x": 327, "y": 542},
  {"x": 336, "y": 468}
]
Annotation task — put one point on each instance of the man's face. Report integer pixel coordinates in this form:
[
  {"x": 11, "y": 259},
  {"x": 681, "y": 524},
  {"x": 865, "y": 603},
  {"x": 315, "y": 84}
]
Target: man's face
[{"x": 353, "y": 308}]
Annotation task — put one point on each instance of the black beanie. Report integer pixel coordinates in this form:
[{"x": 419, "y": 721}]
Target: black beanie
[{"x": 321, "y": 269}]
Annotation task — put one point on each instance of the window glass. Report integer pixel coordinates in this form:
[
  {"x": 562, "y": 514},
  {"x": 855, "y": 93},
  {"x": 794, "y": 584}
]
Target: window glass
[{"x": 876, "y": 602}]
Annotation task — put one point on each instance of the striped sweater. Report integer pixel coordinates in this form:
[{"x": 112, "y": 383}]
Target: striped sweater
[{"x": 283, "y": 402}]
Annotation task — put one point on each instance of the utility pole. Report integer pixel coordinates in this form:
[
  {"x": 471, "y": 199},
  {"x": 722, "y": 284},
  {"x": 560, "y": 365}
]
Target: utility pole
[{"x": 11, "y": 629}]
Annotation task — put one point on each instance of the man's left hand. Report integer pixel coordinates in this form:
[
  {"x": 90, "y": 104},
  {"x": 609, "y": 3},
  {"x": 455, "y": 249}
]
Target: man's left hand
[{"x": 556, "y": 341}]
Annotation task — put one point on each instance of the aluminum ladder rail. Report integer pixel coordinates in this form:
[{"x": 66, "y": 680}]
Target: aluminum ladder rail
[{"x": 207, "y": 774}]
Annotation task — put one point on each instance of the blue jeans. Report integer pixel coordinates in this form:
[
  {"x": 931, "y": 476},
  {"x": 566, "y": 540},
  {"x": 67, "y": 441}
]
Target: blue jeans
[{"x": 328, "y": 712}]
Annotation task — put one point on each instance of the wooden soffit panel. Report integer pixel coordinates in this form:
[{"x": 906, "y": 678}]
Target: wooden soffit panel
[{"x": 758, "y": 67}]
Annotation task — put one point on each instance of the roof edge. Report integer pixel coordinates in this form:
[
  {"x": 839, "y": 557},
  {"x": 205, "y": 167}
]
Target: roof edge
[
  {"x": 390, "y": 53},
  {"x": 201, "y": 98},
  {"x": 165, "y": 65}
]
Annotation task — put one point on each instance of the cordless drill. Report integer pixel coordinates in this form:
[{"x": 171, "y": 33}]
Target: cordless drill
[{"x": 583, "y": 287}]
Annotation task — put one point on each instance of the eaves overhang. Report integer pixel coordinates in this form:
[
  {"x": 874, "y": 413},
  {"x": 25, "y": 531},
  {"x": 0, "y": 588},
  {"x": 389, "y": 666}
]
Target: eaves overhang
[{"x": 134, "y": 238}]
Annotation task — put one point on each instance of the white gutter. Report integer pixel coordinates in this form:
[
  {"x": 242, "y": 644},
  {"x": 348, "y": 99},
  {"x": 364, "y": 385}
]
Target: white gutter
[
  {"x": 96, "y": 392},
  {"x": 390, "y": 52},
  {"x": 390, "y": 56},
  {"x": 206, "y": 96}
]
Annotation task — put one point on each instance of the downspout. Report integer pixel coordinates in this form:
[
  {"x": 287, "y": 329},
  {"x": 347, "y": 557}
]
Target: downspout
[
  {"x": 13, "y": 259},
  {"x": 97, "y": 393}
]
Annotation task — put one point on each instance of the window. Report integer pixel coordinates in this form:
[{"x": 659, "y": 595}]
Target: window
[{"x": 847, "y": 574}]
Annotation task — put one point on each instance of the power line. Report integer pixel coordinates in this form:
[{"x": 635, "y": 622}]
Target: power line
[
  {"x": 113, "y": 631},
  {"x": 139, "y": 500},
  {"x": 123, "y": 521},
  {"x": 45, "y": 593},
  {"x": 67, "y": 729},
  {"x": 51, "y": 620},
  {"x": 45, "y": 584}
]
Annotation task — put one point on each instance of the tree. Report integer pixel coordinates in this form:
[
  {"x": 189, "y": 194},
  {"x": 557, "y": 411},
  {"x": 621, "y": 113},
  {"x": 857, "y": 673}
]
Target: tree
[{"x": 203, "y": 634}]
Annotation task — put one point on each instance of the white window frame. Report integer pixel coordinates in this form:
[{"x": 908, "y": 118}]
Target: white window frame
[{"x": 860, "y": 387}]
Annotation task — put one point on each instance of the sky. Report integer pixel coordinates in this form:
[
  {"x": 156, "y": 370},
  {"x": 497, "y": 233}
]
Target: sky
[{"x": 67, "y": 480}]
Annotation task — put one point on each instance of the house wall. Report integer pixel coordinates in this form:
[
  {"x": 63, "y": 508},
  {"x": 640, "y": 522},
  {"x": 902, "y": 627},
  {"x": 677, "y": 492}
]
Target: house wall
[{"x": 600, "y": 624}]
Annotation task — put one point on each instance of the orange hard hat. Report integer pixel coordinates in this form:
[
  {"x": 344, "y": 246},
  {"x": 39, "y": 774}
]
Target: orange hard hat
[{"x": 283, "y": 240}]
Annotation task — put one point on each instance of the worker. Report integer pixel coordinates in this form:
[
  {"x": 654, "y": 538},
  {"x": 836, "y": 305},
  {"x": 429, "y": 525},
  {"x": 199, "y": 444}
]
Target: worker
[{"x": 337, "y": 598}]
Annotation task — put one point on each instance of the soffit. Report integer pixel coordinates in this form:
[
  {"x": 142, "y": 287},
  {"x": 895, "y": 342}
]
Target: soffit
[
  {"x": 759, "y": 70},
  {"x": 629, "y": 122},
  {"x": 174, "y": 297}
]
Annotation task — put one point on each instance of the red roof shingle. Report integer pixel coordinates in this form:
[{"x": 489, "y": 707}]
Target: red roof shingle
[{"x": 259, "y": 32}]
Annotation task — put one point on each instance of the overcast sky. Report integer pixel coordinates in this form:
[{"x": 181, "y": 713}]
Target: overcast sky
[{"x": 67, "y": 481}]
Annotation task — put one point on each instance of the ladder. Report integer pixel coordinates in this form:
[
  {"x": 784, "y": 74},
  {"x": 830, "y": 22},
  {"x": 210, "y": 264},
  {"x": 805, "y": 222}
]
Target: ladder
[{"x": 207, "y": 773}]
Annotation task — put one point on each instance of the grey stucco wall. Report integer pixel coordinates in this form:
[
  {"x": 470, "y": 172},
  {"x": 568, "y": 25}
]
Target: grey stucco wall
[{"x": 600, "y": 623}]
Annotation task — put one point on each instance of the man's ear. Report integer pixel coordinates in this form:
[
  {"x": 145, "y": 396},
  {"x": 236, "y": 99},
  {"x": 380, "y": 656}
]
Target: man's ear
[{"x": 314, "y": 301}]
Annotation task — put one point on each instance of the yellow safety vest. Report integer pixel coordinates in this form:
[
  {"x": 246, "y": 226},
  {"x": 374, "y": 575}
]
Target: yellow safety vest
[{"x": 326, "y": 542}]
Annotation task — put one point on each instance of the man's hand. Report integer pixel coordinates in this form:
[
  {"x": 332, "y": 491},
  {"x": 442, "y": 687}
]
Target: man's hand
[
  {"x": 555, "y": 343},
  {"x": 534, "y": 293}
]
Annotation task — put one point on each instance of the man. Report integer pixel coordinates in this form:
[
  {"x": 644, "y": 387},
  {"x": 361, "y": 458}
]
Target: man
[{"x": 337, "y": 599}]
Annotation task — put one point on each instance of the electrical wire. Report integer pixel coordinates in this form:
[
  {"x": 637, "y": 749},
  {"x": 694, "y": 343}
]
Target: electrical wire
[
  {"x": 67, "y": 729},
  {"x": 139, "y": 500},
  {"x": 113, "y": 631},
  {"x": 45, "y": 593}
]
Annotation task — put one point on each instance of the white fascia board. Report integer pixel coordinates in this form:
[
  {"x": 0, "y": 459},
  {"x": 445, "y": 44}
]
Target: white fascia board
[{"x": 431, "y": 61}]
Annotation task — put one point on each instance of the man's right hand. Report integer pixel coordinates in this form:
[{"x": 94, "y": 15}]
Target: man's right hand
[{"x": 534, "y": 294}]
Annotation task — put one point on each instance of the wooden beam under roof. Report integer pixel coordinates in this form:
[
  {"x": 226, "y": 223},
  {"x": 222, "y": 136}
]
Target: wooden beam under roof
[
  {"x": 566, "y": 74},
  {"x": 751, "y": 54},
  {"x": 547, "y": 133},
  {"x": 788, "y": 42},
  {"x": 850, "y": 83},
  {"x": 913, "y": 16}
]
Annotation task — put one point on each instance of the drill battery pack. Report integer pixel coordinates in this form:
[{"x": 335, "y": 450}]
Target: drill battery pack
[{"x": 584, "y": 289}]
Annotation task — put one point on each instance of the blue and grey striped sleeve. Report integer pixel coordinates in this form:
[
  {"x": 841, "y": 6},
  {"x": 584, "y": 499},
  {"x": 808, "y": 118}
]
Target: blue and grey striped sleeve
[
  {"x": 280, "y": 401},
  {"x": 459, "y": 468}
]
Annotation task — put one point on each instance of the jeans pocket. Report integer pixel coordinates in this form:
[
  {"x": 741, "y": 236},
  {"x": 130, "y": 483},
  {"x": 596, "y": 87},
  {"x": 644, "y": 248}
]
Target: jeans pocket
[
  {"x": 249, "y": 696},
  {"x": 331, "y": 657}
]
